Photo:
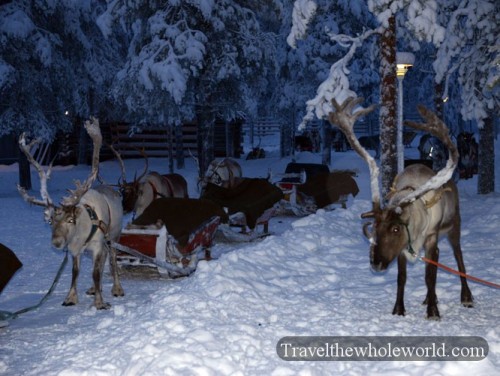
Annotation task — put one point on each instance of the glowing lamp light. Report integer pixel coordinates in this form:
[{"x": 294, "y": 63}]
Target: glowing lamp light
[{"x": 404, "y": 61}]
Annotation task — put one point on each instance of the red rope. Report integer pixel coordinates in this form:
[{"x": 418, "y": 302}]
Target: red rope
[{"x": 448, "y": 269}]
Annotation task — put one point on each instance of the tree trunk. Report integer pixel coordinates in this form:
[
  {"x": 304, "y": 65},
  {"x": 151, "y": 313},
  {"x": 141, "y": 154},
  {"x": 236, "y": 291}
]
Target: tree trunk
[
  {"x": 179, "y": 146},
  {"x": 83, "y": 143},
  {"x": 327, "y": 143},
  {"x": 486, "y": 158},
  {"x": 170, "y": 133},
  {"x": 438, "y": 99},
  {"x": 24, "y": 171},
  {"x": 205, "y": 141},
  {"x": 388, "y": 108}
]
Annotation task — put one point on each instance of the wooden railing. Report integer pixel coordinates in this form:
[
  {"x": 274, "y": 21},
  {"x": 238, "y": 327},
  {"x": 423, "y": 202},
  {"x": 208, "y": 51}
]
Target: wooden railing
[{"x": 155, "y": 141}]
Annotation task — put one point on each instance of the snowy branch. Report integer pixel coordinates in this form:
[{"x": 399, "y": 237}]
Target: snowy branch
[
  {"x": 336, "y": 86},
  {"x": 303, "y": 12}
]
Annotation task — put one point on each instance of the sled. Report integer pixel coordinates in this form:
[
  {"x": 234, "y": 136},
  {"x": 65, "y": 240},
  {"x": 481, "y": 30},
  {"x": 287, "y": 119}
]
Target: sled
[
  {"x": 307, "y": 187},
  {"x": 152, "y": 246}
]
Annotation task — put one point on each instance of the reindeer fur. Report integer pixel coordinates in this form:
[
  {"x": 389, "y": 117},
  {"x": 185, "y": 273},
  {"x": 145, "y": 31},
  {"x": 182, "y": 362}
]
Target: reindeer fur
[
  {"x": 71, "y": 227},
  {"x": 418, "y": 225}
]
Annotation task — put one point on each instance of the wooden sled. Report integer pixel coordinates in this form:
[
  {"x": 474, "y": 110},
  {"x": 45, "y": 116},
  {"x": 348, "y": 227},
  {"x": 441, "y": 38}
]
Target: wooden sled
[{"x": 153, "y": 247}]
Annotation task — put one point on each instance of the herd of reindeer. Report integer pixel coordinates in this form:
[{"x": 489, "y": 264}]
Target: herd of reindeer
[{"x": 421, "y": 206}]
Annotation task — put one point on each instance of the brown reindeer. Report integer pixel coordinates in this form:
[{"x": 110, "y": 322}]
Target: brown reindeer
[
  {"x": 421, "y": 206},
  {"x": 86, "y": 219},
  {"x": 143, "y": 190}
]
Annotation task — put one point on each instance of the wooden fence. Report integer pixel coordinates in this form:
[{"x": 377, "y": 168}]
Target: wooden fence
[{"x": 155, "y": 141}]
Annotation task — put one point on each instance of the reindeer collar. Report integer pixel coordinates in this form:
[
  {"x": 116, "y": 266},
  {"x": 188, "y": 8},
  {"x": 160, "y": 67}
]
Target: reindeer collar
[
  {"x": 409, "y": 251},
  {"x": 155, "y": 191},
  {"x": 97, "y": 224}
]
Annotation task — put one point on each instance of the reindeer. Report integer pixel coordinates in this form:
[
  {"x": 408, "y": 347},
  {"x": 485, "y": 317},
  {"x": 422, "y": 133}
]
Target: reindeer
[
  {"x": 86, "y": 219},
  {"x": 422, "y": 205},
  {"x": 143, "y": 190},
  {"x": 224, "y": 173}
]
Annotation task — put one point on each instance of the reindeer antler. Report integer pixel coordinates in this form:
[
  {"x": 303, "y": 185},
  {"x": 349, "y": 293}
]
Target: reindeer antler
[
  {"x": 344, "y": 117},
  {"x": 146, "y": 165},
  {"x": 435, "y": 126},
  {"x": 123, "y": 177},
  {"x": 94, "y": 131},
  {"x": 44, "y": 176}
]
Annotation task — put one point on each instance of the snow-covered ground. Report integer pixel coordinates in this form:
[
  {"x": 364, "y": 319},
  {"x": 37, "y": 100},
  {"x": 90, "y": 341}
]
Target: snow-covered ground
[{"x": 311, "y": 278}]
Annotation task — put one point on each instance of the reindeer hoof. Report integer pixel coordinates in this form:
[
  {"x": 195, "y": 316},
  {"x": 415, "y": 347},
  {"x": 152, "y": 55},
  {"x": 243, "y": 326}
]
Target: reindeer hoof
[
  {"x": 433, "y": 313},
  {"x": 467, "y": 300},
  {"x": 103, "y": 306},
  {"x": 90, "y": 291},
  {"x": 400, "y": 311},
  {"x": 117, "y": 291},
  {"x": 67, "y": 304}
]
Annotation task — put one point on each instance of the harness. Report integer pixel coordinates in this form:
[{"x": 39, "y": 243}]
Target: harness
[
  {"x": 428, "y": 204},
  {"x": 97, "y": 224},
  {"x": 158, "y": 194},
  {"x": 410, "y": 249},
  {"x": 155, "y": 191}
]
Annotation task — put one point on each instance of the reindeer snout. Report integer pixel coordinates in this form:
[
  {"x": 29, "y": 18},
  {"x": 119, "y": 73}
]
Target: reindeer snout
[
  {"x": 58, "y": 242},
  {"x": 377, "y": 262},
  {"x": 378, "y": 267}
]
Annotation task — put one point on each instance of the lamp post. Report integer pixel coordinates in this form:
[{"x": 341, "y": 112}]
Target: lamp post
[{"x": 404, "y": 61}]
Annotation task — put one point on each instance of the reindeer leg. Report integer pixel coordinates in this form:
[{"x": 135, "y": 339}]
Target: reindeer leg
[
  {"x": 454, "y": 238},
  {"x": 99, "y": 261},
  {"x": 72, "y": 297},
  {"x": 431, "y": 252},
  {"x": 117, "y": 289},
  {"x": 399, "y": 307}
]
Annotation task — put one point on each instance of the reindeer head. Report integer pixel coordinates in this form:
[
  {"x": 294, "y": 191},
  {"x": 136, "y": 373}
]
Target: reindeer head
[
  {"x": 223, "y": 173},
  {"x": 62, "y": 218},
  {"x": 389, "y": 232},
  {"x": 130, "y": 191},
  {"x": 217, "y": 173},
  {"x": 388, "y": 235},
  {"x": 63, "y": 223}
]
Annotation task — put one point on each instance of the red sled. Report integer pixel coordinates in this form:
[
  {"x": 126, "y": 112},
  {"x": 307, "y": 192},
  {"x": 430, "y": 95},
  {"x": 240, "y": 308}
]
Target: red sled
[{"x": 153, "y": 247}]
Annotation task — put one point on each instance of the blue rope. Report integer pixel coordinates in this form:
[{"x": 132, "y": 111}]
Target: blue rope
[{"x": 5, "y": 315}]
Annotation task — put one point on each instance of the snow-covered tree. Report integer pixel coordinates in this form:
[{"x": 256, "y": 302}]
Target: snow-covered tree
[
  {"x": 469, "y": 54},
  {"x": 478, "y": 76},
  {"x": 194, "y": 59},
  {"x": 305, "y": 62},
  {"x": 52, "y": 63}
]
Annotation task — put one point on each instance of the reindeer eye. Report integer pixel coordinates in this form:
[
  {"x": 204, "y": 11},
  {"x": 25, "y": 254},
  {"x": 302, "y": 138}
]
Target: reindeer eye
[
  {"x": 71, "y": 220},
  {"x": 395, "y": 229}
]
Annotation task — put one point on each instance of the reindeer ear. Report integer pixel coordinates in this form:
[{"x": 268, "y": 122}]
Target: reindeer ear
[{"x": 47, "y": 213}]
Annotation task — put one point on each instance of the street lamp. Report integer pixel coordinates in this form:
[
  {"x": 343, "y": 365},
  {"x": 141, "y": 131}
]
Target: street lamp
[{"x": 404, "y": 61}]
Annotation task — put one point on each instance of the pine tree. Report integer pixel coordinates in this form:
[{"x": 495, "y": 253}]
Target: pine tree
[
  {"x": 469, "y": 54},
  {"x": 52, "y": 57},
  {"x": 191, "y": 60}
]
